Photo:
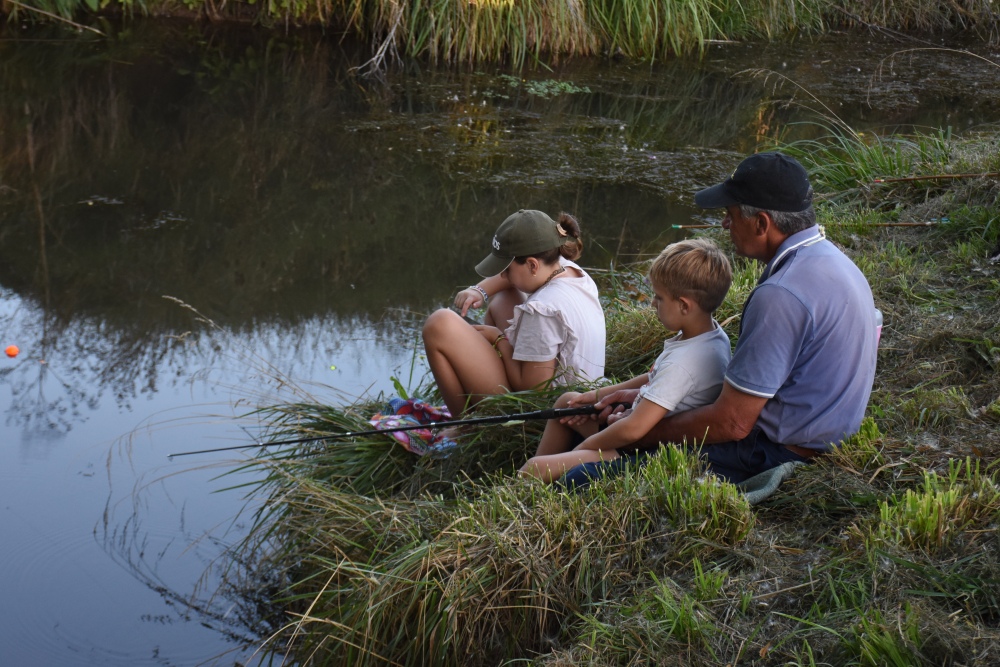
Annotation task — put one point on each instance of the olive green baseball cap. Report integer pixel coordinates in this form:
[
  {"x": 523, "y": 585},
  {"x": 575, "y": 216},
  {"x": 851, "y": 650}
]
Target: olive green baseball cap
[{"x": 524, "y": 233}]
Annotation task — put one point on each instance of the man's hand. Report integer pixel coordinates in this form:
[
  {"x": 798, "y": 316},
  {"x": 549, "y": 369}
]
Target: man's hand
[
  {"x": 615, "y": 416},
  {"x": 608, "y": 410}
]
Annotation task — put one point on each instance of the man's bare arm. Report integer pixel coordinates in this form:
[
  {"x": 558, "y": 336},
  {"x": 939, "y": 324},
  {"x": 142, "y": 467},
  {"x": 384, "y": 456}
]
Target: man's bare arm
[{"x": 731, "y": 417}]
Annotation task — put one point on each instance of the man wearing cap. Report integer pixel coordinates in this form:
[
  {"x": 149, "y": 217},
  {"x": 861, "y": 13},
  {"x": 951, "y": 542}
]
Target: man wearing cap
[{"x": 803, "y": 367}]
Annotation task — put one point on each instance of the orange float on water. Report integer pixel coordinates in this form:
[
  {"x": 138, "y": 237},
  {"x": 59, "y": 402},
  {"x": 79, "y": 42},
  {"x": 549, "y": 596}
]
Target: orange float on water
[{"x": 12, "y": 351}]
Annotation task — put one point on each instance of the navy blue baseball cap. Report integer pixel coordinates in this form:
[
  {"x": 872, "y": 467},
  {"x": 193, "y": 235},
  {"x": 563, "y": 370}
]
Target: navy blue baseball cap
[{"x": 770, "y": 181}]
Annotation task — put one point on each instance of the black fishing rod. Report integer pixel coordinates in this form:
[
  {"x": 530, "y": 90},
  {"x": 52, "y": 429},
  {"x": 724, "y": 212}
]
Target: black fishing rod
[{"x": 550, "y": 413}]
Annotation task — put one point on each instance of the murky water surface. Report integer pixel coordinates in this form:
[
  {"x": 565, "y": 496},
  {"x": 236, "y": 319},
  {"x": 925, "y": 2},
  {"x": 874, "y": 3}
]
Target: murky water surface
[{"x": 195, "y": 222}]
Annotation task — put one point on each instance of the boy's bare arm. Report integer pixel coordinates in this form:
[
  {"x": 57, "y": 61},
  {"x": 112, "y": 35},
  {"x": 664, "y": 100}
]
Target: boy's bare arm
[
  {"x": 591, "y": 397},
  {"x": 628, "y": 430},
  {"x": 634, "y": 383}
]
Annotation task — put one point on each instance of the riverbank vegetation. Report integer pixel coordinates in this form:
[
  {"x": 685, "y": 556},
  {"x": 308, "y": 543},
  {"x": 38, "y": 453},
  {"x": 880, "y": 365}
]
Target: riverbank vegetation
[
  {"x": 466, "y": 31},
  {"x": 884, "y": 553}
]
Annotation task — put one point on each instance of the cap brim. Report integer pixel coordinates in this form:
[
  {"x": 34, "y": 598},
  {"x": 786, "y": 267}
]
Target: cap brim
[
  {"x": 493, "y": 265},
  {"x": 717, "y": 196}
]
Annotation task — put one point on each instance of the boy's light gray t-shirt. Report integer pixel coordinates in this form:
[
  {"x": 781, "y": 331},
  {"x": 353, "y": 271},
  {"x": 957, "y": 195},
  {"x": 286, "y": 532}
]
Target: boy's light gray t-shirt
[{"x": 689, "y": 372}]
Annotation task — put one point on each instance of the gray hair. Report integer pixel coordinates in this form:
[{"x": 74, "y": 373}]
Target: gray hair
[{"x": 787, "y": 223}]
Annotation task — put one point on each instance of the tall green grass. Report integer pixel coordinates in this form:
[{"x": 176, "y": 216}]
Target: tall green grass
[
  {"x": 494, "y": 574},
  {"x": 925, "y": 15},
  {"x": 655, "y": 29},
  {"x": 523, "y": 31},
  {"x": 942, "y": 509},
  {"x": 846, "y": 165}
]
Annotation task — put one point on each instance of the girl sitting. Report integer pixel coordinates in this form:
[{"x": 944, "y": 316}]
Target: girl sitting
[{"x": 544, "y": 322}]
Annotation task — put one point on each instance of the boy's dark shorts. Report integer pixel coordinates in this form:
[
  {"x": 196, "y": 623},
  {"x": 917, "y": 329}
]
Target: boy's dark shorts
[{"x": 733, "y": 461}]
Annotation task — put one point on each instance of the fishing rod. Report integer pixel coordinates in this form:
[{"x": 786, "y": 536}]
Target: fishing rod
[
  {"x": 936, "y": 177},
  {"x": 550, "y": 413},
  {"x": 925, "y": 223}
]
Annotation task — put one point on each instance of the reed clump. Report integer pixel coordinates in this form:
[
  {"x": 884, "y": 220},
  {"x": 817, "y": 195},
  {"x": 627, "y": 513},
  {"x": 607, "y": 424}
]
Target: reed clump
[
  {"x": 490, "y": 575},
  {"x": 944, "y": 508},
  {"x": 525, "y": 31},
  {"x": 363, "y": 465}
]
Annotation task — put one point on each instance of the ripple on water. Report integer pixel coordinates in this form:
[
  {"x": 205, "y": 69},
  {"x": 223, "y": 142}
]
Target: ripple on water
[{"x": 85, "y": 619}]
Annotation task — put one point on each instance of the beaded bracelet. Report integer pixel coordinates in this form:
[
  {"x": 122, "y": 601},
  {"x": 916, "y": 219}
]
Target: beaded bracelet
[
  {"x": 486, "y": 297},
  {"x": 497, "y": 342}
]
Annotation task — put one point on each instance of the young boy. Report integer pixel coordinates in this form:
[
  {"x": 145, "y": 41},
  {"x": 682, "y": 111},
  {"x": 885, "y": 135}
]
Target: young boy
[{"x": 690, "y": 279}]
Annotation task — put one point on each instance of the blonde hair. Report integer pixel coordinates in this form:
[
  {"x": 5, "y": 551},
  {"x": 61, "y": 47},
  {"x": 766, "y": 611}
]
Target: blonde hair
[{"x": 696, "y": 269}]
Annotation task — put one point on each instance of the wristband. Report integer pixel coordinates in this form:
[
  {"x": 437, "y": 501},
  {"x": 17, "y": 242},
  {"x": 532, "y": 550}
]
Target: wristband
[{"x": 486, "y": 297}]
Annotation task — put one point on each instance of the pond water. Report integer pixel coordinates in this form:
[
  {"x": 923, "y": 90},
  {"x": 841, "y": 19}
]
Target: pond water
[{"x": 197, "y": 221}]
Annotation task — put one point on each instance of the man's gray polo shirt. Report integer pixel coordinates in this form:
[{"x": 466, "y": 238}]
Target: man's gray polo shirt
[{"x": 808, "y": 343}]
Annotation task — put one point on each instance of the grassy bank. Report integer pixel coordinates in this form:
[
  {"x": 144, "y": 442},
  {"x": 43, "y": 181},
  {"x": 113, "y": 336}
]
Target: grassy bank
[
  {"x": 885, "y": 553},
  {"x": 466, "y": 31}
]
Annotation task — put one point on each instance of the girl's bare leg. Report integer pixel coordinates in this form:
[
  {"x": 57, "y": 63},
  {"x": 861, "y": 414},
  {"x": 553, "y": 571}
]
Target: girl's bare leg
[
  {"x": 552, "y": 467},
  {"x": 464, "y": 365},
  {"x": 558, "y": 437},
  {"x": 500, "y": 311}
]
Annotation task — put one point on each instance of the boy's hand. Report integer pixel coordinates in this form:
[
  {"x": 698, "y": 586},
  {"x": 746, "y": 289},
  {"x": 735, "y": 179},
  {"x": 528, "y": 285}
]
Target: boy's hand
[{"x": 586, "y": 398}]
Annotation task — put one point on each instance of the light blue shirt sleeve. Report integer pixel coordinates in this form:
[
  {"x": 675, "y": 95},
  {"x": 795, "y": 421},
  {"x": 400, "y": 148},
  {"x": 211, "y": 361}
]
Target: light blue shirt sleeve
[{"x": 763, "y": 359}]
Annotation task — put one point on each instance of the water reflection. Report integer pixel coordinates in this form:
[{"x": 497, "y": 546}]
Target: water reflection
[
  {"x": 250, "y": 175},
  {"x": 311, "y": 218},
  {"x": 68, "y": 369}
]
